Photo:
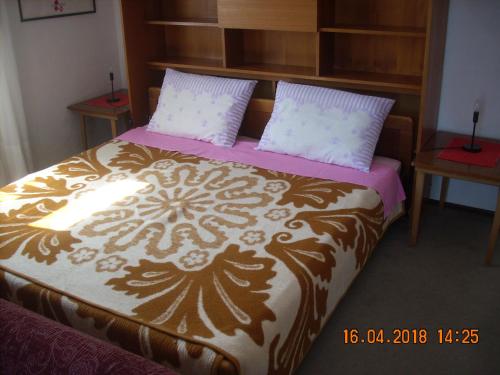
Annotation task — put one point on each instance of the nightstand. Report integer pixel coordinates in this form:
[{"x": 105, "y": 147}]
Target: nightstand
[
  {"x": 427, "y": 163},
  {"x": 99, "y": 108}
]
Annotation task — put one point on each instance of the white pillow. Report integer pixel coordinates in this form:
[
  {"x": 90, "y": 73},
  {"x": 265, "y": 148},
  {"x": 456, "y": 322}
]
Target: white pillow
[
  {"x": 326, "y": 125},
  {"x": 201, "y": 107}
]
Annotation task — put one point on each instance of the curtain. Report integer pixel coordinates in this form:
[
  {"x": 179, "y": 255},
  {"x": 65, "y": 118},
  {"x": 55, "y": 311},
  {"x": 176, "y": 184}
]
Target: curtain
[{"x": 15, "y": 158}]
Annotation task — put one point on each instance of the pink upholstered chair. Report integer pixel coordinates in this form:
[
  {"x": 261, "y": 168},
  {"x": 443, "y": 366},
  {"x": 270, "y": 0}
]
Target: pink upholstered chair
[{"x": 32, "y": 344}]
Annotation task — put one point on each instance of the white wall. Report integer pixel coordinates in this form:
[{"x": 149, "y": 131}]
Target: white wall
[
  {"x": 62, "y": 61},
  {"x": 471, "y": 71}
]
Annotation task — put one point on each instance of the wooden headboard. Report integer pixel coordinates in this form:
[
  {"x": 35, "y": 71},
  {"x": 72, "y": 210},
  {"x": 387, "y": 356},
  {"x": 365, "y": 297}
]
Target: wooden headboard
[{"x": 396, "y": 140}]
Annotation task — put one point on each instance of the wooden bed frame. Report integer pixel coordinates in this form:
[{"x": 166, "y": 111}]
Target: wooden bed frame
[{"x": 396, "y": 140}]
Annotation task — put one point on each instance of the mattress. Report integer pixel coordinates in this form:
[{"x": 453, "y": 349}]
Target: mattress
[{"x": 204, "y": 265}]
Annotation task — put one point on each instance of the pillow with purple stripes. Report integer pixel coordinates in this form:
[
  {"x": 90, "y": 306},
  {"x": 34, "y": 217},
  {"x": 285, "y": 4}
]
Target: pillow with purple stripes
[
  {"x": 201, "y": 107},
  {"x": 326, "y": 125}
]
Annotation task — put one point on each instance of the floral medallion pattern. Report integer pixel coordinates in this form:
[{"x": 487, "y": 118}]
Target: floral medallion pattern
[
  {"x": 110, "y": 264},
  {"x": 277, "y": 214},
  {"x": 195, "y": 258},
  {"x": 192, "y": 252},
  {"x": 253, "y": 237},
  {"x": 83, "y": 255}
]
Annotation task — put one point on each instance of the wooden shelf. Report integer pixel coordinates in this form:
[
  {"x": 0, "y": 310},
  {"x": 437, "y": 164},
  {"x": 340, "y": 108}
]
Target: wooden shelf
[
  {"x": 412, "y": 32},
  {"x": 199, "y": 22},
  {"x": 186, "y": 63},
  {"x": 263, "y": 71},
  {"x": 276, "y": 70},
  {"x": 366, "y": 80},
  {"x": 396, "y": 82}
]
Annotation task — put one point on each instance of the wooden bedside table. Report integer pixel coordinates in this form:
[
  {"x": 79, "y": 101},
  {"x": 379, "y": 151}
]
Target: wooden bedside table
[
  {"x": 108, "y": 112},
  {"x": 427, "y": 163}
]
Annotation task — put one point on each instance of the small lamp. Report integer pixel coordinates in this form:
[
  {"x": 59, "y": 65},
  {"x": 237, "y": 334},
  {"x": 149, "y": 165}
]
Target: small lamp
[
  {"x": 112, "y": 99},
  {"x": 472, "y": 147}
]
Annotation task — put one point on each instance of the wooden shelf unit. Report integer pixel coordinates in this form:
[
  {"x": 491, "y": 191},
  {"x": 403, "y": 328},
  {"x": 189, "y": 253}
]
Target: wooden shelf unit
[{"x": 392, "y": 48}]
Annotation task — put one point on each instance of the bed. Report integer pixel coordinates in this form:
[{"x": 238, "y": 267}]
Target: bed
[{"x": 207, "y": 261}]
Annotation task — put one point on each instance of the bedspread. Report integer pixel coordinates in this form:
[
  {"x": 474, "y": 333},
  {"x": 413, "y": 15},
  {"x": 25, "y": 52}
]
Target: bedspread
[{"x": 188, "y": 261}]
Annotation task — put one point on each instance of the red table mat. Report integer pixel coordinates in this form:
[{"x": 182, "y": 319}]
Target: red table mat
[
  {"x": 488, "y": 157},
  {"x": 102, "y": 101}
]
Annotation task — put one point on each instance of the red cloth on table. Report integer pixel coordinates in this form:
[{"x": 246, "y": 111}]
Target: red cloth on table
[
  {"x": 488, "y": 157},
  {"x": 102, "y": 101}
]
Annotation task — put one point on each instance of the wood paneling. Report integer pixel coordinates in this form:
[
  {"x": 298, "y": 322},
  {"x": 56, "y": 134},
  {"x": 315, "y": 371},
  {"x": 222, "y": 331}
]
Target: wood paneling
[
  {"x": 141, "y": 43},
  {"x": 433, "y": 71},
  {"x": 287, "y": 15},
  {"x": 279, "y": 48}
]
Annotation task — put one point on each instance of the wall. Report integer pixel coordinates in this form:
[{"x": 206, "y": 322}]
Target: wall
[
  {"x": 471, "y": 71},
  {"x": 62, "y": 61}
]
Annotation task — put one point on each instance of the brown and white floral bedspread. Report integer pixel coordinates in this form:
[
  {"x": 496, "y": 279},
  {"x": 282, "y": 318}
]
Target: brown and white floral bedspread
[{"x": 185, "y": 260}]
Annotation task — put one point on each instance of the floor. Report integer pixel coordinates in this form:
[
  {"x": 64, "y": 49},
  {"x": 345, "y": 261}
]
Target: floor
[{"x": 439, "y": 283}]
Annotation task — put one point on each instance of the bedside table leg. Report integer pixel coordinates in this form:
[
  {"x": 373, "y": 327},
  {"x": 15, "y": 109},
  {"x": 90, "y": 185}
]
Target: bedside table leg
[
  {"x": 444, "y": 191},
  {"x": 113, "y": 128},
  {"x": 83, "y": 131},
  {"x": 418, "y": 192},
  {"x": 494, "y": 233}
]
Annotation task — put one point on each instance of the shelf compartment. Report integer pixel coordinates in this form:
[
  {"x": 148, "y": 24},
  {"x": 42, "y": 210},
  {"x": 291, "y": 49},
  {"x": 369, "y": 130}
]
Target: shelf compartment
[
  {"x": 374, "y": 13},
  {"x": 411, "y": 32},
  {"x": 201, "y": 22},
  {"x": 192, "y": 11},
  {"x": 278, "y": 52},
  {"x": 392, "y": 56},
  {"x": 199, "y": 45}
]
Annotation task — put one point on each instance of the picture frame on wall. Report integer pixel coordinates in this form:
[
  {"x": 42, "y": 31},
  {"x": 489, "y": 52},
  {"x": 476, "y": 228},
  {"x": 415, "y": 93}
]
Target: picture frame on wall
[{"x": 32, "y": 10}]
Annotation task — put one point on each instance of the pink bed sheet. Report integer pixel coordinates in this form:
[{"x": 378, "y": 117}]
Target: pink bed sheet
[{"x": 383, "y": 177}]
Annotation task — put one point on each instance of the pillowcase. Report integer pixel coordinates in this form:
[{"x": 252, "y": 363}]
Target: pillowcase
[
  {"x": 201, "y": 107},
  {"x": 326, "y": 125}
]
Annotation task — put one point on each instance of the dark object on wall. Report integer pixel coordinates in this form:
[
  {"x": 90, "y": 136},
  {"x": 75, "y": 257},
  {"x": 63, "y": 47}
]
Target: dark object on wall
[{"x": 32, "y": 10}]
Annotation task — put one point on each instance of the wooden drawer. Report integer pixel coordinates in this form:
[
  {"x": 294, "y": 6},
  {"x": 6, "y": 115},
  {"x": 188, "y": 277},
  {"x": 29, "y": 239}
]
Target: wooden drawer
[{"x": 286, "y": 15}]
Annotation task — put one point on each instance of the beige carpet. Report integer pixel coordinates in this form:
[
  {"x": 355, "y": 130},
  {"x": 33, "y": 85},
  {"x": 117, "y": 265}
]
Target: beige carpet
[{"x": 440, "y": 283}]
